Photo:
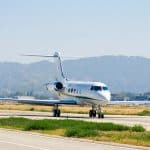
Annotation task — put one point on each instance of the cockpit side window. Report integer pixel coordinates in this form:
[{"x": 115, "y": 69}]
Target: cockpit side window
[
  {"x": 96, "y": 88},
  {"x": 92, "y": 88},
  {"x": 105, "y": 88}
]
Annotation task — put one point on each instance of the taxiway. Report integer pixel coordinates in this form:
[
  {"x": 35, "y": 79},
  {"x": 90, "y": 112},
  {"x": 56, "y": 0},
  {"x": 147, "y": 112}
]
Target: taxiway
[
  {"x": 18, "y": 140},
  {"x": 130, "y": 120}
]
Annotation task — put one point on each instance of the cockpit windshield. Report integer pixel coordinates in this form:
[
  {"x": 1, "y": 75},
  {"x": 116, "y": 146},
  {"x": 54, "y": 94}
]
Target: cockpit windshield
[
  {"x": 96, "y": 88},
  {"x": 99, "y": 88}
]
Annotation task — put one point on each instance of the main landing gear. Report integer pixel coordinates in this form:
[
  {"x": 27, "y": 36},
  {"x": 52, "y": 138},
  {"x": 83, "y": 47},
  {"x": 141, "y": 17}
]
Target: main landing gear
[
  {"x": 94, "y": 111},
  {"x": 56, "y": 111}
]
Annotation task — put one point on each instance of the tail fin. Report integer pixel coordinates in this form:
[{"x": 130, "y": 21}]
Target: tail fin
[{"x": 59, "y": 71}]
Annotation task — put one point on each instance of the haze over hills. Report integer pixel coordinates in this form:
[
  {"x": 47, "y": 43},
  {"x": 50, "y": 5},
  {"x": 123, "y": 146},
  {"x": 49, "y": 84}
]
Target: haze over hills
[{"x": 121, "y": 73}]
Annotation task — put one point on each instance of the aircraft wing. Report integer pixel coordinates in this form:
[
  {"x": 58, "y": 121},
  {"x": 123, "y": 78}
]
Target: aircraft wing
[
  {"x": 129, "y": 102},
  {"x": 41, "y": 102}
]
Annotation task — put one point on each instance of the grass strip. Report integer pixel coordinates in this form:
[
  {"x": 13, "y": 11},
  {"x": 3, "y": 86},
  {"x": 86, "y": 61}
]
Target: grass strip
[
  {"x": 111, "y": 110},
  {"x": 51, "y": 124},
  {"x": 144, "y": 113},
  {"x": 74, "y": 128},
  {"x": 135, "y": 135}
]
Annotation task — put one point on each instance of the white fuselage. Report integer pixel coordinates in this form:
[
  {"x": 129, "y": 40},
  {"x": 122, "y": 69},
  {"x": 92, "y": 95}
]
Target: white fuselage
[
  {"x": 95, "y": 93},
  {"x": 74, "y": 92}
]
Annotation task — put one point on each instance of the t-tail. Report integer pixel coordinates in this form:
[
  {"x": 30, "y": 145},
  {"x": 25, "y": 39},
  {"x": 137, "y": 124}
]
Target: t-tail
[{"x": 59, "y": 71}]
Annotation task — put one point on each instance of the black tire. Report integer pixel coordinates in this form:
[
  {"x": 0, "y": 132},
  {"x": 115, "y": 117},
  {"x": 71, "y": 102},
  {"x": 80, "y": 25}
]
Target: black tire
[
  {"x": 100, "y": 115},
  {"x": 54, "y": 113},
  {"x": 90, "y": 114},
  {"x": 58, "y": 113},
  {"x": 94, "y": 113}
]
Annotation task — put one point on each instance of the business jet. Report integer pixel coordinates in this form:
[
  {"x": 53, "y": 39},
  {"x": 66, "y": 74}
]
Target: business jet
[{"x": 73, "y": 92}]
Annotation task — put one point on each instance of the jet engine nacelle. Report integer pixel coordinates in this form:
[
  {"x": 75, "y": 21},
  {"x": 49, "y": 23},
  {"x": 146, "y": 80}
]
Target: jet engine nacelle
[
  {"x": 54, "y": 86},
  {"x": 58, "y": 86}
]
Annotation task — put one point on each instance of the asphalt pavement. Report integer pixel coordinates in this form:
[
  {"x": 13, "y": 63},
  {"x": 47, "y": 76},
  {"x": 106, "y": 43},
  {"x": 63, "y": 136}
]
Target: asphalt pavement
[{"x": 19, "y": 140}]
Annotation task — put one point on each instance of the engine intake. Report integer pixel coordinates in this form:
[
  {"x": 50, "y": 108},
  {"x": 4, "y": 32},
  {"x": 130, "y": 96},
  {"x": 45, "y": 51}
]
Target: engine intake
[{"x": 59, "y": 85}]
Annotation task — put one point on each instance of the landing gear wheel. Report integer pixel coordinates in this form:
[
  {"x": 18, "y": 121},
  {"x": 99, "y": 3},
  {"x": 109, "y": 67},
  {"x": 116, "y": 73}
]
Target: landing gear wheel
[
  {"x": 100, "y": 115},
  {"x": 92, "y": 113},
  {"x": 56, "y": 113},
  {"x": 100, "y": 112}
]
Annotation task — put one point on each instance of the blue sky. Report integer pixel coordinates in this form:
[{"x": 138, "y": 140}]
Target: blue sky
[{"x": 74, "y": 27}]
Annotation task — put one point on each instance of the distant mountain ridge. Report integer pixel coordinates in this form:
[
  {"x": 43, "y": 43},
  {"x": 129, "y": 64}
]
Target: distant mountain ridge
[{"x": 121, "y": 73}]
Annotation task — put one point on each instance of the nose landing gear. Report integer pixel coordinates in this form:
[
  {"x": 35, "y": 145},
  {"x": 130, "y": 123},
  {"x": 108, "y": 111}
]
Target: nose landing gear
[{"x": 94, "y": 111}]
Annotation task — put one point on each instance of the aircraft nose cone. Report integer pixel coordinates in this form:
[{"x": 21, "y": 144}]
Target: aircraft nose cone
[
  {"x": 108, "y": 96},
  {"x": 105, "y": 96}
]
